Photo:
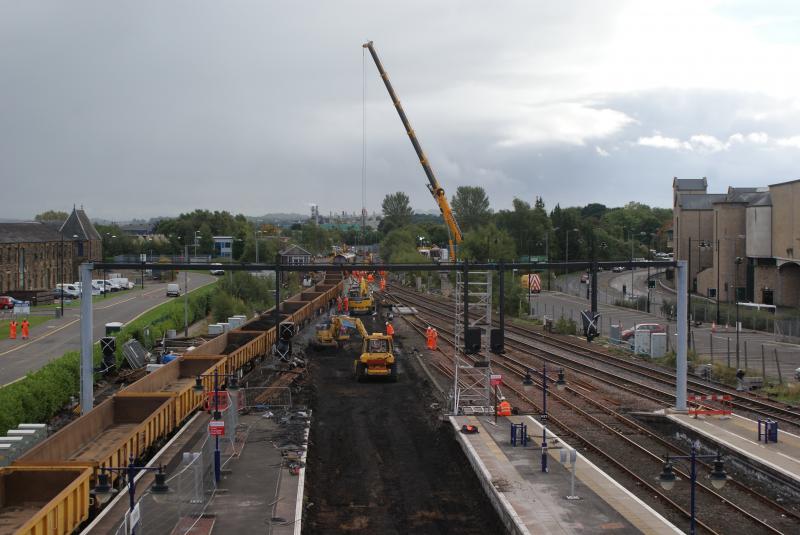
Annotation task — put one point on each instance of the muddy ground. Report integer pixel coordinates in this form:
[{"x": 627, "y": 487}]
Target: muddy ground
[{"x": 381, "y": 461}]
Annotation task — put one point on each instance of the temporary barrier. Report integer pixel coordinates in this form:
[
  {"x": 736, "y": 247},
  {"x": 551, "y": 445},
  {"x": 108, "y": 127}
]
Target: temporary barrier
[{"x": 725, "y": 407}]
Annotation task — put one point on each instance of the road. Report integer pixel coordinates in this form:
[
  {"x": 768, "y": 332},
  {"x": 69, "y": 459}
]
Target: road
[
  {"x": 52, "y": 339},
  {"x": 718, "y": 343}
]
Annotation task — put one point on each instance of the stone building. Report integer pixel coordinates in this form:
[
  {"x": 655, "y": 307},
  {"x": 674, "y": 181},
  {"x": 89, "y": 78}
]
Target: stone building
[
  {"x": 35, "y": 256},
  {"x": 759, "y": 226}
]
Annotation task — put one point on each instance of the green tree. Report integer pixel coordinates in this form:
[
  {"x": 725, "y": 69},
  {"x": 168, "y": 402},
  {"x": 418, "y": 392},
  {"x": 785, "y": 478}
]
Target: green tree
[
  {"x": 471, "y": 207},
  {"x": 52, "y": 215},
  {"x": 488, "y": 243},
  {"x": 315, "y": 238},
  {"x": 397, "y": 209}
]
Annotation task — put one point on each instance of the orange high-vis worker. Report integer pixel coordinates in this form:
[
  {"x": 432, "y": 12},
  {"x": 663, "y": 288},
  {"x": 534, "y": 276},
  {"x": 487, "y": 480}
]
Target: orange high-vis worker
[
  {"x": 435, "y": 336},
  {"x": 429, "y": 337},
  {"x": 12, "y": 330},
  {"x": 504, "y": 408},
  {"x": 389, "y": 329},
  {"x": 25, "y": 329},
  {"x": 383, "y": 284},
  {"x": 338, "y": 303},
  {"x": 370, "y": 277}
]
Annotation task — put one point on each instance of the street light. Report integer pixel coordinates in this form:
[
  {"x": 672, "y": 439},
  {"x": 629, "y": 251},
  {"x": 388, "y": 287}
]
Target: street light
[
  {"x": 233, "y": 386},
  {"x": 566, "y": 255},
  {"x": 561, "y": 384},
  {"x": 738, "y": 262},
  {"x": 718, "y": 476},
  {"x": 104, "y": 485}
]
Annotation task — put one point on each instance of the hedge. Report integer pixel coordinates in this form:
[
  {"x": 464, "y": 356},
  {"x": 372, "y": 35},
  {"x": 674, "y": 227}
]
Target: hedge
[{"x": 42, "y": 393}]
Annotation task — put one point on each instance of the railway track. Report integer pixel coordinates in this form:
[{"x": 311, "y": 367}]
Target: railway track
[
  {"x": 590, "y": 421},
  {"x": 571, "y": 354}
]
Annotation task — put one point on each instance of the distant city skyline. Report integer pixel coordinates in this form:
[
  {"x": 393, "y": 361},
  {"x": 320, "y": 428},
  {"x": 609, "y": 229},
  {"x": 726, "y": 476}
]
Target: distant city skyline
[{"x": 258, "y": 107}]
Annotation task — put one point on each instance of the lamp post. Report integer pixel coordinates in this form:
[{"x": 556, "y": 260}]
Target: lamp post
[
  {"x": 566, "y": 252},
  {"x": 104, "y": 485},
  {"x": 737, "y": 262},
  {"x": 718, "y": 288},
  {"x": 233, "y": 386},
  {"x": 561, "y": 384},
  {"x": 547, "y": 254},
  {"x": 718, "y": 477}
]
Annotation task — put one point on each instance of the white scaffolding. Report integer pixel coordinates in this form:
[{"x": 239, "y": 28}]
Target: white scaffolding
[{"x": 471, "y": 390}]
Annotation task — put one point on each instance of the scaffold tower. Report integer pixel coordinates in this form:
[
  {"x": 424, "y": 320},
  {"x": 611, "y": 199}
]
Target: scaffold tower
[{"x": 471, "y": 390}]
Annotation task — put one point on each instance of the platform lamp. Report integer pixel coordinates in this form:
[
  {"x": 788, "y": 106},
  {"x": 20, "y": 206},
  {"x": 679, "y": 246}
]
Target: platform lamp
[
  {"x": 561, "y": 384},
  {"x": 233, "y": 386},
  {"x": 718, "y": 477},
  {"x": 104, "y": 483}
]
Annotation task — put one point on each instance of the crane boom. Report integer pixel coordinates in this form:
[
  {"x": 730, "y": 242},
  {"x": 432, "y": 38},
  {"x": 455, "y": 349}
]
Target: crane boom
[{"x": 453, "y": 230}]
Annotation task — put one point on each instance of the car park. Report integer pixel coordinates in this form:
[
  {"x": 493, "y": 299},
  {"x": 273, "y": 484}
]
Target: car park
[{"x": 652, "y": 327}]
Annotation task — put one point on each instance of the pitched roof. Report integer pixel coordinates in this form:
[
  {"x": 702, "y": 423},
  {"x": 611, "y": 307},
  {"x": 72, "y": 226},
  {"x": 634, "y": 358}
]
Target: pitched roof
[
  {"x": 294, "y": 250},
  {"x": 27, "y": 232},
  {"x": 748, "y": 196},
  {"x": 690, "y": 184},
  {"x": 78, "y": 224}
]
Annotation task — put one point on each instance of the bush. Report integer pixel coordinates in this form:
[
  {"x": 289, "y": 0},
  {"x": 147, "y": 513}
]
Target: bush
[
  {"x": 565, "y": 326},
  {"x": 41, "y": 394}
]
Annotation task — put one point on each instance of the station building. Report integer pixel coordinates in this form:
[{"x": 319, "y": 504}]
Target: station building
[
  {"x": 758, "y": 225},
  {"x": 35, "y": 256}
]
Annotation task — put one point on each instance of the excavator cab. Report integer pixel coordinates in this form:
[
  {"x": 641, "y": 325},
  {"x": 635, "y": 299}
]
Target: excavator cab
[
  {"x": 377, "y": 358},
  {"x": 329, "y": 334}
]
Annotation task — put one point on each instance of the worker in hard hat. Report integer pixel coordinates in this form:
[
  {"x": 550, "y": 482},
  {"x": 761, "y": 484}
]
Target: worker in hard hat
[
  {"x": 429, "y": 337},
  {"x": 389, "y": 329},
  {"x": 435, "y": 337}
]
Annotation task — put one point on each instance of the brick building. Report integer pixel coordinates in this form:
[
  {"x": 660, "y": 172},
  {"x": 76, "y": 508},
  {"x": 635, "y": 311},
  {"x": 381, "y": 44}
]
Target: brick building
[
  {"x": 758, "y": 225},
  {"x": 35, "y": 256}
]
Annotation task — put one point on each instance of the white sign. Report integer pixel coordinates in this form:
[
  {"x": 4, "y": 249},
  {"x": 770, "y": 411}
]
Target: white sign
[
  {"x": 22, "y": 310},
  {"x": 133, "y": 518}
]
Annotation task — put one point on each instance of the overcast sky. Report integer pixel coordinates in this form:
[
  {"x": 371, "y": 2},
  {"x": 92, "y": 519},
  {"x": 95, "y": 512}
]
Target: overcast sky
[{"x": 146, "y": 108}]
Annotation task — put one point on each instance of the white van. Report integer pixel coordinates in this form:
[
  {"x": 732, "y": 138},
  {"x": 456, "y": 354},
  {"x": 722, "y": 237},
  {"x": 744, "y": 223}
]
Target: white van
[
  {"x": 69, "y": 290},
  {"x": 173, "y": 290}
]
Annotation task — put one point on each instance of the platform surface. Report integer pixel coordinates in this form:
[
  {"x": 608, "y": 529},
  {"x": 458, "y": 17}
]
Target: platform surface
[
  {"x": 539, "y": 499},
  {"x": 741, "y": 434}
]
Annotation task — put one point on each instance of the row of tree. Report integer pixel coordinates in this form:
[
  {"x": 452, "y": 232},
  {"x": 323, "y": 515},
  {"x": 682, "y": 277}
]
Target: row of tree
[{"x": 577, "y": 233}]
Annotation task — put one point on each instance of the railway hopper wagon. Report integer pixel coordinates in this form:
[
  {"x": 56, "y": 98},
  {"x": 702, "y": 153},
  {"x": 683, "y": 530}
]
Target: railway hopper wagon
[
  {"x": 177, "y": 379},
  {"x": 41, "y": 500},
  {"x": 108, "y": 435},
  {"x": 241, "y": 349}
]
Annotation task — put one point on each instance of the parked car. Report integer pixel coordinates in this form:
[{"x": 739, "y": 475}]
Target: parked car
[
  {"x": 652, "y": 327},
  {"x": 618, "y": 269},
  {"x": 69, "y": 290},
  {"x": 6, "y": 302},
  {"x": 173, "y": 290},
  {"x": 97, "y": 284},
  {"x": 217, "y": 271},
  {"x": 585, "y": 278}
]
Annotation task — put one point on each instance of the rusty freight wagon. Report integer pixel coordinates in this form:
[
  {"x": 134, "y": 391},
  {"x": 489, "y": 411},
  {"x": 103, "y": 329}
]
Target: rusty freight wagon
[{"x": 42, "y": 500}]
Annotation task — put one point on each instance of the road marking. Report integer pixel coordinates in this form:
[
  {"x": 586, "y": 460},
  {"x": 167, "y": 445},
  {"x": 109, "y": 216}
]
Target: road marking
[{"x": 39, "y": 338}]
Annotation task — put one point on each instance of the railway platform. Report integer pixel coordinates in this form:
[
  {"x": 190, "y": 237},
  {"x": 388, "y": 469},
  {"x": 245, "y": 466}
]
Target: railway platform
[
  {"x": 257, "y": 484},
  {"x": 740, "y": 435},
  {"x": 532, "y": 502}
]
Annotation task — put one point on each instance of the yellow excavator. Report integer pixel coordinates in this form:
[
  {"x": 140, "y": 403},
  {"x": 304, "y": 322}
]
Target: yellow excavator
[
  {"x": 377, "y": 355},
  {"x": 453, "y": 230},
  {"x": 360, "y": 299}
]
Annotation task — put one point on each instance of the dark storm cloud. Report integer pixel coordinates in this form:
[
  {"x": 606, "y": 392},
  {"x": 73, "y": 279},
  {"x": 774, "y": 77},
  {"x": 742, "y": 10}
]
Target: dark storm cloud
[{"x": 149, "y": 108}]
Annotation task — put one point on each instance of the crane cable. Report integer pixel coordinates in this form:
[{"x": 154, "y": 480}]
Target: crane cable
[{"x": 363, "y": 140}]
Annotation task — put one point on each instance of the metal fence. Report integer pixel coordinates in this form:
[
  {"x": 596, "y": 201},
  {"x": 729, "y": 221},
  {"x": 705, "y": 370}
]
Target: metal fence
[
  {"x": 192, "y": 485},
  {"x": 265, "y": 397}
]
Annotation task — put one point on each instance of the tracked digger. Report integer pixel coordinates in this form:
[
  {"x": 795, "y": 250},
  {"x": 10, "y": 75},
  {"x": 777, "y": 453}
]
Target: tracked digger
[{"x": 377, "y": 354}]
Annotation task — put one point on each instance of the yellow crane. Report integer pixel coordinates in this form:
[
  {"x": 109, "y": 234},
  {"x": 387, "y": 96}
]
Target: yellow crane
[{"x": 453, "y": 230}]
